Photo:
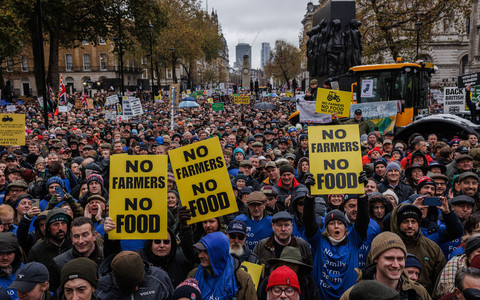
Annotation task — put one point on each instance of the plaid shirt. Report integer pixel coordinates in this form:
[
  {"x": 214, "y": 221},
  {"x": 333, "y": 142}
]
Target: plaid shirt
[{"x": 446, "y": 282}]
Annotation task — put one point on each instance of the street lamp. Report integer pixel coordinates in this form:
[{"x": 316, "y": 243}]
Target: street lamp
[
  {"x": 150, "y": 28},
  {"x": 173, "y": 65},
  {"x": 88, "y": 84},
  {"x": 418, "y": 26}
]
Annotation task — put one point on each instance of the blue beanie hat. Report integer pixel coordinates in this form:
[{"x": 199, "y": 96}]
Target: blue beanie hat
[
  {"x": 238, "y": 150},
  {"x": 159, "y": 140},
  {"x": 412, "y": 261},
  {"x": 380, "y": 161},
  {"x": 55, "y": 179}
]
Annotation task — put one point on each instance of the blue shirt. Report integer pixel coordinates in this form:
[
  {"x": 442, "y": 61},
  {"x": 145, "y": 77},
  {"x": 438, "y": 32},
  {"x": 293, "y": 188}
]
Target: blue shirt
[{"x": 256, "y": 229}]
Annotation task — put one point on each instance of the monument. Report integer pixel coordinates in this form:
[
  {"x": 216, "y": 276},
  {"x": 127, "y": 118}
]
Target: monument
[{"x": 246, "y": 73}]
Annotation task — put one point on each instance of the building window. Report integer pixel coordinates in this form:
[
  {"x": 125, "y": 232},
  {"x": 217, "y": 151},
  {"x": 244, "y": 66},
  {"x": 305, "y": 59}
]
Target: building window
[
  {"x": 169, "y": 73},
  {"x": 68, "y": 62},
  {"x": 85, "y": 42},
  {"x": 143, "y": 61},
  {"x": 9, "y": 63},
  {"x": 103, "y": 61},
  {"x": 144, "y": 74},
  {"x": 86, "y": 62},
  {"x": 24, "y": 64},
  {"x": 115, "y": 64},
  {"x": 128, "y": 65},
  {"x": 101, "y": 41}
]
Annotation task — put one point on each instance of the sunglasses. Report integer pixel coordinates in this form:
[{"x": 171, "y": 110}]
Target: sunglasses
[
  {"x": 239, "y": 236},
  {"x": 165, "y": 242}
]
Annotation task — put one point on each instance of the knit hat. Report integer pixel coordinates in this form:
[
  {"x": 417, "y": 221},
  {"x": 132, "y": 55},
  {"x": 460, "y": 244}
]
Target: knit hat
[
  {"x": 391, "y": 193},
  {"x": 472, "y": 245},
  {"x": 237, "y": 150},
  {"x": 393, "y": 166},
  {"x": 408, "y": 211},
  {"x": 58, "y": 214},
  {"x": 385, "y": 241},
  {"x": 28, "y": 276},
  {"x": 95, "y": 177},
  {"x": 412, "y": 261},
  {"x": 380, "y": 161},
  {"x": 240, "y": 175},
  {"x": 83, "y": 268},
  {"x": 283, "y": 276},
  {"x": 188, "y": 289},
  {"x": 55, "y": 179},
  {"x": 372, "y": 290},
  {"x": 424, "y": 181},
  {"x": 21, "y": 197},
  {"x": 128, "y": 269},
  {"x": 335, "y": 215},
  {"x": 286, "y": 168}
]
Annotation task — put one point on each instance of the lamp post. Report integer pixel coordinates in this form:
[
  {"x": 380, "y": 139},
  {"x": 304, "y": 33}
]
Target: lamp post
[
  {"x": 418, "y": 25},
  {"x": 173, "y": 65},
  {"x": 42, "y": 84},
  {"x": 119, "y": 15},
  {"x": 150, "y": 28}
]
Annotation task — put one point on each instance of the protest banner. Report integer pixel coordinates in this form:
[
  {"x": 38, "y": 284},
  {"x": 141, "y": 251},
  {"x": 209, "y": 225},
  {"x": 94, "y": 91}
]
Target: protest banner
[
  {"x": 90, "y": 103},
  {"x": 288, "y": 94},
  {"x": 335, "y": 159},
  {"x": 113, "y": 99},
  {"x": 308, "y": 114},
  {"x": 131, "y": 106},
  {"x": 217, "y": 106},
  {"x": 78, "y": 103},
  {"x": 11, "y": 108},
  {"x": 468, "y": 79},
  {"x": 241, "y": 99},
  {"x": 454, "y": 100},
  {"x": 62, "y": 108},
  {"x": 255, "y": 271},
  {"x": 202, "y": 180},
  {"x": 12, "y": 129},
  {"x": 138, "y": 196},
  {"x": 330, "y": 101},
  {"x": 177, "y": 93}
]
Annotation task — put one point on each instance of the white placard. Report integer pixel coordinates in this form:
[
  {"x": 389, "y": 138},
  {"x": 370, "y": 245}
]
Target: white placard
[
  {"x": 62, "y": 108},
  {"x": 113, "y": 99},
  {"x": 69, "y": 106},
  {"x": 132, "y": 107},
  {"x": 454, "y": 100},
  {"x": 367, "y": 88},
  {"x": 11, "y": 108}
]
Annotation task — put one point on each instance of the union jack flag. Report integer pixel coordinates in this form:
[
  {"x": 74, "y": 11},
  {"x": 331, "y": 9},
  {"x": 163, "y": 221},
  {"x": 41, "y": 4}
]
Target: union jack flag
[
  {"x": 62, "y": 93},
  {"x": 84, "y": 99}
]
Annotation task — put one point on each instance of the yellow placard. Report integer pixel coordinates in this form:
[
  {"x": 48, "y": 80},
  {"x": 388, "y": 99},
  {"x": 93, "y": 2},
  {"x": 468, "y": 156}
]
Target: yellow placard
[
  {"x": 335, "y": 159},
  {"x": 138, "y": 196},
  {"x": 12, "y": 129},
  {"x": 210, "y": 100},
  {"x": 255, "y": 271},
  {"x": 241, "y": 99},
  {"x": 288, "y": 94},
  {"x": 330, "y": 101},
  {"x": 159, "y": 96},
  {"x": 202, "y": 180}
]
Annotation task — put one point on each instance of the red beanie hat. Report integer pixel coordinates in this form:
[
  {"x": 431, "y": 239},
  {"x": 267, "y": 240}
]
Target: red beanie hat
[{"x": 283, "y": 276}]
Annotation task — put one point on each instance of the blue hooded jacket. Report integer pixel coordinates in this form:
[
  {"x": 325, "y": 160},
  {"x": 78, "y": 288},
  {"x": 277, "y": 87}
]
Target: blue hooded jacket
[{"x": 222, "y": 283}]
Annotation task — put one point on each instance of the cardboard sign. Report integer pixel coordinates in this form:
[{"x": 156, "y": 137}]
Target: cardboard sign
[
  {"x": 12, "y": 129},
  {"x": 90, "y": 103},
  {"x": 11, "y": 108},
  {"x": 217, "y": 106},
  {"x": 335, "y": 159},
  {"x": 454, "y": 100},
  {"x": 138, "y": 196},
  {"x": 330, "y": 101},
  {"x": 113, "y": 99},
  {"x": 177, "y": 93},
  {"x": 132, "y": 106},
  {"x": 255, "y": 271},
  {"x": 78, "y": 103},
  {"x": 241, "y": 99},
  {"x": 202, "y": 179}
]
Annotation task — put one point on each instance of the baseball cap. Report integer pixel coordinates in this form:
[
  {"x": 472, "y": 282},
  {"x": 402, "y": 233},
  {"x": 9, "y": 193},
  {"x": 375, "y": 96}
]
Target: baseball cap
[
  {"x": 358, "y": 111},
  {"x": 270, "y": 164},
  {"x": 28, "y": 276},
  {"x": 237, "y": 226}
]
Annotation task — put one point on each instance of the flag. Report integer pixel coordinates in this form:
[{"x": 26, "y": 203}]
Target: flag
[
  {"x": 52, "y": 94},
  {"x": 84, "y": 99},
  {"x": 62, "y": 93}
]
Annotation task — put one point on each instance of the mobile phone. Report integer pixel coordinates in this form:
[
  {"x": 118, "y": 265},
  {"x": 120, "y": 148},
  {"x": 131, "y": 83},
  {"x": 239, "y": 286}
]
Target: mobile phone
[
  {"x": 60, "y": 192},
  {"x": 432, "y": 201},
  {"x": 36, "y": 203}
]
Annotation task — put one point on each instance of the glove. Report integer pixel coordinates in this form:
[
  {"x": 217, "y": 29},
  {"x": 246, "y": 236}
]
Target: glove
[
  {"x": 184, "y": 215},
  {"x": 309, "y": 180},
  {"x": 362, "y": 178}
]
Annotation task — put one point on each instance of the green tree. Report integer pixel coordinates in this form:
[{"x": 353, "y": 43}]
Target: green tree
[
  {"x": 284, "y": 63},
  {"x": 388, "y": 27}
]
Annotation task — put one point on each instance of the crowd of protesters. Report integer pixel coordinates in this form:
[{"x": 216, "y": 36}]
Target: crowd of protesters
[{"x": 413, "y": 233}]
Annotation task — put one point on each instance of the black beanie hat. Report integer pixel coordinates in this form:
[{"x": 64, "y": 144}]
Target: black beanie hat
[
  {"x": 413, "y": 261},
  {"x": 372, "y": 290},
  {"x": 472, "y": 245},
  {"x": 188, "y": 289},
  {"x": 286, "y": 168},
  {"x": 335, "y": 215},
  {"x": 81, "y": 267},
  {"x": 408, "y": 211}
]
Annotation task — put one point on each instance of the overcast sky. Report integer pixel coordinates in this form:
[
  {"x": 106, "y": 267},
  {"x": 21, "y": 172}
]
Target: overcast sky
[{"x": 241, "y": 20}]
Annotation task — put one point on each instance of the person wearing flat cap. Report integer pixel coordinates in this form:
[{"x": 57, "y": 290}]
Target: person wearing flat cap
[
  {"x": 259, "y": 224},
  {"x": 31, "y": 282},
  {"x": 388, "y": 254},
  {"x": 292, "y": 258}
]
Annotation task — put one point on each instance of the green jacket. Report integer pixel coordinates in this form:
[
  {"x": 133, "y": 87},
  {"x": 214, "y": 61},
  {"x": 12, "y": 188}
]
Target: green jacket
[{"x": 363, "y": 126}]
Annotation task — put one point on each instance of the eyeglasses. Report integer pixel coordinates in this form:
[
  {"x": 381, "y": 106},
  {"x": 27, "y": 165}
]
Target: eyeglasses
[
  {"x": 239, "y": 236},
  {"x": 277, "y": 291},
  {"x": 165, "y": 242}
]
